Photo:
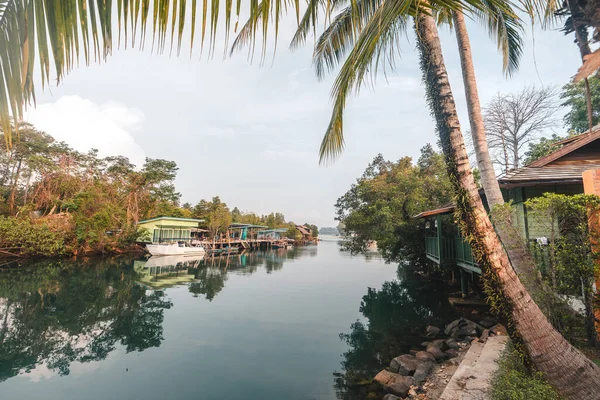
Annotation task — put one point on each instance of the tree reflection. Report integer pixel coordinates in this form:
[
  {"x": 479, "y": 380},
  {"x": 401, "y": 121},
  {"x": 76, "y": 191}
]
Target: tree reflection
[
  {"x": 55, "y": 316},
  {"x": 209, "y": 282},
  {"x": 396, "y": 317}
]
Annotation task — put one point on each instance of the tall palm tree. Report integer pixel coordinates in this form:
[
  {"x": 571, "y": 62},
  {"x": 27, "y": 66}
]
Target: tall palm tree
[
  {"x": 507, "y": 30},
  {"x": 373, "y": 29}
]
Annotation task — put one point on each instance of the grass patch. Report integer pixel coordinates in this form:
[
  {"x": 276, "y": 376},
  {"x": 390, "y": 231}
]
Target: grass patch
[{"x": 514, "y": 382}]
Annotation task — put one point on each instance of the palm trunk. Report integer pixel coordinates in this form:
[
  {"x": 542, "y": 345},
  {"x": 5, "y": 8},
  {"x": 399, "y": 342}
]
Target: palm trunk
[
  {"x": 581, "y": 38},
  {"x": 566, "y": 368},
  {"x": 513, "y": 243},
  {"x": 484, "y": 163}
]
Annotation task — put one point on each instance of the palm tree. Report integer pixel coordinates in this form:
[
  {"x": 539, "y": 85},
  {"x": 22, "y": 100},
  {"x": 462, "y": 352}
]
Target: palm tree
[
  {"x": 507, "y": 30},
  {"x": 369, "y": 30}
]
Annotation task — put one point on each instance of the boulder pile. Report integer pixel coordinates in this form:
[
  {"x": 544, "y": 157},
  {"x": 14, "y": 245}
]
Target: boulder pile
[{"x": 407, "y": 373}]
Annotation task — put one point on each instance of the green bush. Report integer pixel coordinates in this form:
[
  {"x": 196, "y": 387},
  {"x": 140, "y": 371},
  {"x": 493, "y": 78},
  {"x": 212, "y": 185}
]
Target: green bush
[
  {"x": 30, "y": 240},
  {"x": 514, "y": 382}
]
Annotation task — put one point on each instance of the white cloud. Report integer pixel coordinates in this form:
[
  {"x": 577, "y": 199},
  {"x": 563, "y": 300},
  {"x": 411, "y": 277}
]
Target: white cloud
[{"x": 84, "y": 125}]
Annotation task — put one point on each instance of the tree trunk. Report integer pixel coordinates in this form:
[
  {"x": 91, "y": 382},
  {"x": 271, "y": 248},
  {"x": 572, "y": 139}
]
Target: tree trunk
[
  {"x": 484, "y": 162},
  {"x": 565, "y": 367},
  {"x": 581, "y": 38},
  {"x": 13, "y": 191},
  {"x": 513, "y": 242}
]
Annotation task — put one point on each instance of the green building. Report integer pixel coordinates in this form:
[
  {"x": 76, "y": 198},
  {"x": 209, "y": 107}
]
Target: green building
[
  {"x": 168, "y": 229},
  {"x": 559, "y": 172}
]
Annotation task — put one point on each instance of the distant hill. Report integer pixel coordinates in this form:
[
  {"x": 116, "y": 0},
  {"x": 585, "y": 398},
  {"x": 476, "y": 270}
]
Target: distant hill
[{"x": 327, "y": 230}]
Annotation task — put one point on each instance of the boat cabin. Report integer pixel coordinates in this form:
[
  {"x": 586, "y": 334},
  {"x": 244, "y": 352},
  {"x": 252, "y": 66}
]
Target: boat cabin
[{"x": 168, "y": 229}]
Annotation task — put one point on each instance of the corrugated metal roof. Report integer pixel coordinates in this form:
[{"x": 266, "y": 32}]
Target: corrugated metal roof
[
  {"x": 303, "y": 230},
  {"x": 447, "y": 209},
  {"x": 548, "y": 174}
]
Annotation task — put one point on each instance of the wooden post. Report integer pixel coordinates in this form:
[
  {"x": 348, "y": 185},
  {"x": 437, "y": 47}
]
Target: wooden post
[
  {"x": 591, "y": 185},
  {"x": 438, "y": 222},
  {"x": 464, "y": 283}
]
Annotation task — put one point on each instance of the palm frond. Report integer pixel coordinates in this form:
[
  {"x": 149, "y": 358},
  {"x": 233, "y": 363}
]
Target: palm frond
[
  {"x": 54, "y": 35},
  {"x": 506, "y": 28},
  {"x": 377, "y": 42},
  {"x": 544, "y": 11}
]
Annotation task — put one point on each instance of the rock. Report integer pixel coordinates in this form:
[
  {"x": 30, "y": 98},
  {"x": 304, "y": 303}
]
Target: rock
[
  {"x": 484, "y": 335},
  {"x": 400, "y": 387},
  {"x": 463, "y": 327},
  {"x": 439, "y": 343},
  {"x": 488, "y": 322},
  {"x": 390, "y": 396},
  {"x": 451, "y": 344},
  {"x": 425, "y": 356},
  {"x": 422, "y": 372},
  {"x": 386, "y": 377},
  {"x": 414, "y": 352},
  {"x": 431, "y": 332},
  {"x": 451, "y": 326},
  {"x": 437, "y": 353},
  {"x": 405, "y": 364},
  {"x": 412, "y": 393},
  {"x": 499, "y": 330},
  {"x": 451, "y": 353}
]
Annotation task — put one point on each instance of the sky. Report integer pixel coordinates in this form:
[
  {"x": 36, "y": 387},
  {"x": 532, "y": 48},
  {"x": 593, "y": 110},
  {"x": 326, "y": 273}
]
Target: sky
[{"x": 250, "y": 134}]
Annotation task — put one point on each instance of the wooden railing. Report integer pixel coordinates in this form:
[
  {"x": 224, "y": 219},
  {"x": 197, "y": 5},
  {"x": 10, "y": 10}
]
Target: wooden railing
[
  {"x": 463, "y": 251},
  {"x": 453, "y": 250},
  {"x": 446, "y": 247}
]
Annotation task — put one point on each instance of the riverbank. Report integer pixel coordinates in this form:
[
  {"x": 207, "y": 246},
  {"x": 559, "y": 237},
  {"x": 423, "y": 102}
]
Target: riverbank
[{"x": 441, "y": 369}]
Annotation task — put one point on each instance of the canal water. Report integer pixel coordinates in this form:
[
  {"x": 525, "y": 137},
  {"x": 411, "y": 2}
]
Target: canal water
[{"x": 307, "y": 323}]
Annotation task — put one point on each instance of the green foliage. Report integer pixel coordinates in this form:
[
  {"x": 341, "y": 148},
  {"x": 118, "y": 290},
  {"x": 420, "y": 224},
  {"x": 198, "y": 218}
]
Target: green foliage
[
  {"x": 23, "y": 237},
  {"x": 570, "y": 263},
  {"x": 292, "y": 232},
  {"x": 98, "y": 200},
  {"x": 513, "y": 381},
  {"x": 541, "y": 148},
  {"x": 381, "y": 205},
  {"x": 314, "y": 230},
  {"x": 574, "y": 97},
  {"x": 215, "y": 214}
]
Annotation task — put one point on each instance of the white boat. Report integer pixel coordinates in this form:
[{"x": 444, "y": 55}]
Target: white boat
[
  {"x": 174, "y": 249},
  {"x": 167, "y": 261}
]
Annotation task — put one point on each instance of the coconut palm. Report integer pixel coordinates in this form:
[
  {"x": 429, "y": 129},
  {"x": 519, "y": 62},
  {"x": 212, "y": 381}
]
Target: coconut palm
[{"x": 63, "y": 30}]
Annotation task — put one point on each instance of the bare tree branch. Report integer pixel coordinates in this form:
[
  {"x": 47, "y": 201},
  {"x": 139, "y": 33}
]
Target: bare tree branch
[{"x": 514, "y": 120}]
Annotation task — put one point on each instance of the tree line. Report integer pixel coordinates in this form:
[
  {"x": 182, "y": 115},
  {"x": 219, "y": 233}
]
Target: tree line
[{"x": 57, "y": 201}]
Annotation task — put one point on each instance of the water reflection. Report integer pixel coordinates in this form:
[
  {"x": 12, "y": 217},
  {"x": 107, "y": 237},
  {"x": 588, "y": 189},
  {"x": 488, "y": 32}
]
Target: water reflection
[
  {"x": 396, "y": 315},
  {"x": 54, "y": 313},
  {"x": 228, "y": 315},
  {"x": 55, "y": 316}
]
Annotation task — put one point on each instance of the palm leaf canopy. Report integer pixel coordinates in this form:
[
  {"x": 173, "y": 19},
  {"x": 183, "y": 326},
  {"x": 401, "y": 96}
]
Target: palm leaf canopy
[{"x": 54, "y": 36}]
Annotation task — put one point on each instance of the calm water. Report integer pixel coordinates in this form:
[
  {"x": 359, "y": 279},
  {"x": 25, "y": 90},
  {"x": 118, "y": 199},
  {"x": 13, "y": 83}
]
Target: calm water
[{"x": 255, "y": 326}]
